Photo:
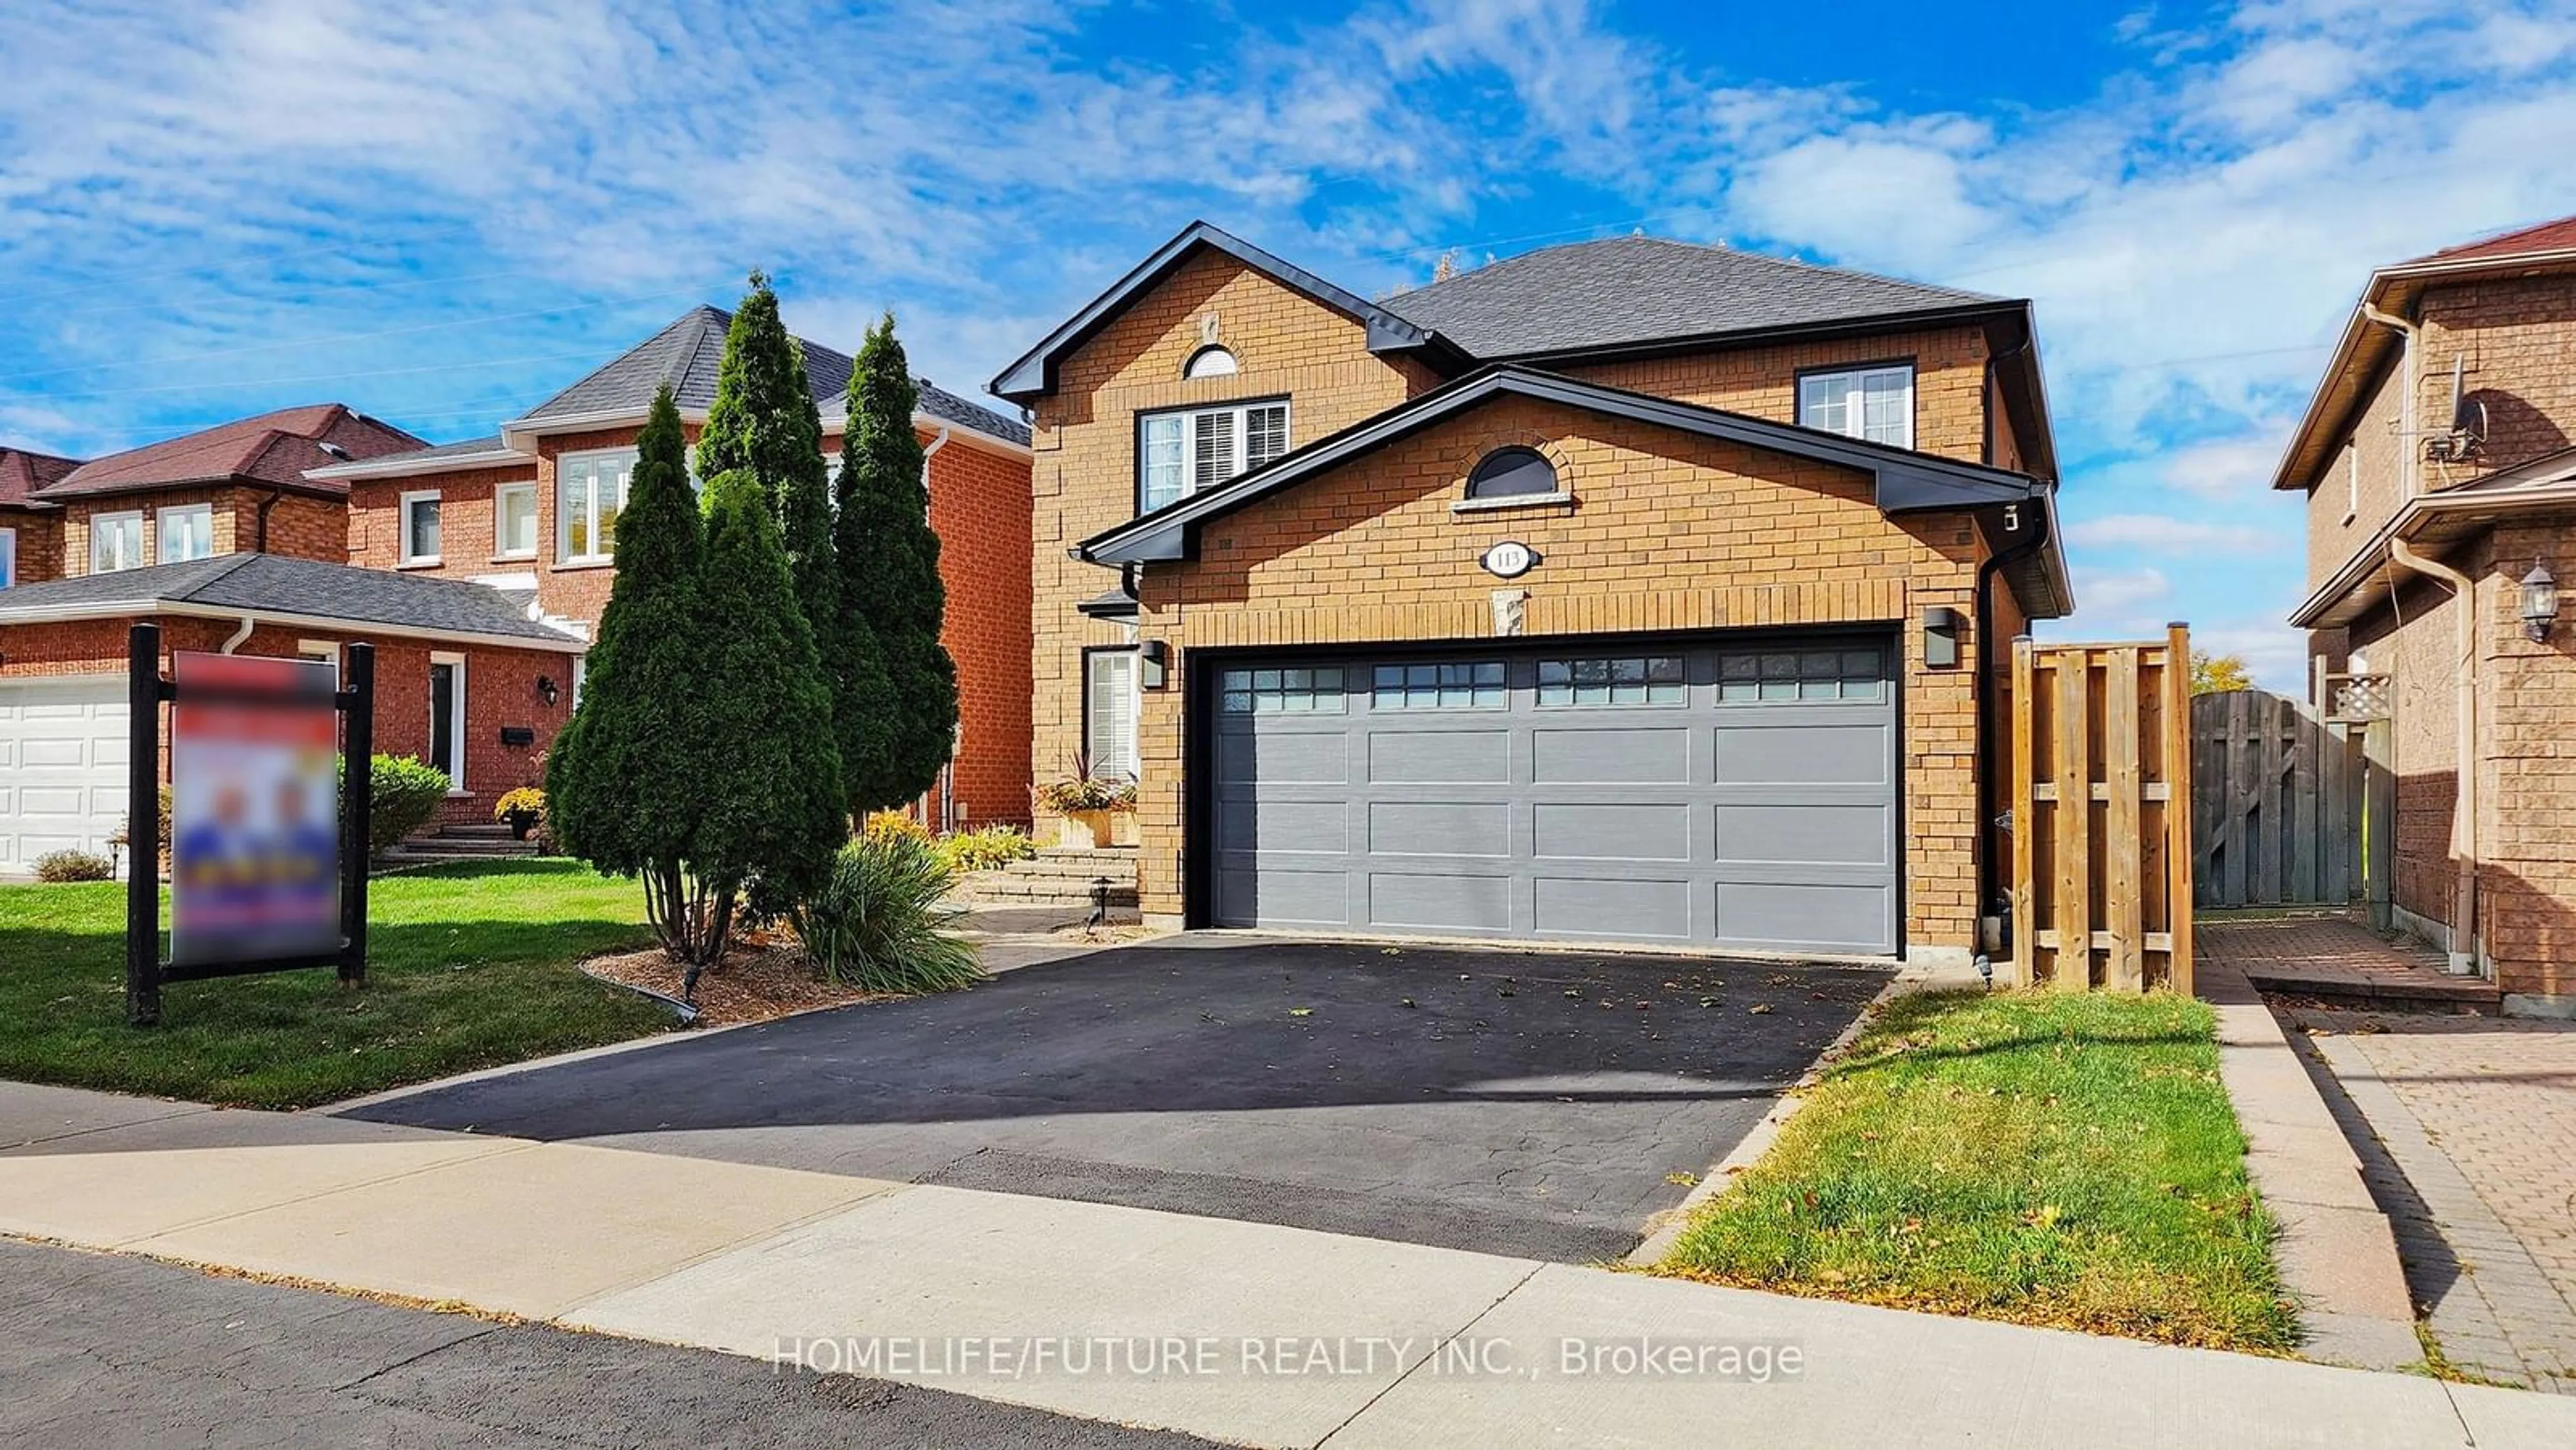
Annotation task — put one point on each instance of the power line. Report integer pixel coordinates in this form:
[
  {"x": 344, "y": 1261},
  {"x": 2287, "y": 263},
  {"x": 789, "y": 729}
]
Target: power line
[
  {"x": 293, "y": 343},
  {"x": 498, "y": 362}
]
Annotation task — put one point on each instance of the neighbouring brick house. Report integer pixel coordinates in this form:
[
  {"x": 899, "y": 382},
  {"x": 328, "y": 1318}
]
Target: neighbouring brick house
[
  {"x": 1628, "y": 590},
  {"x": 532, "y": 510},
  {"x": 222, "y": 539},
  {"x": 2437, "y": 462}
]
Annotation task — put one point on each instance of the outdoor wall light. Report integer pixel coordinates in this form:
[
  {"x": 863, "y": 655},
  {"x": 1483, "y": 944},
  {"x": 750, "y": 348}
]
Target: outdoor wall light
[
  {"x": 547, "y": 690},
  {"x": 1153, "y": 665},
  {"x": 1941, "y": 627},
  {"x": 2539, "y": 602}
]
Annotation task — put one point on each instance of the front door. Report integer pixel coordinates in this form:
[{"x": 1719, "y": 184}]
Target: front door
[{"x": 442, "y": 720}]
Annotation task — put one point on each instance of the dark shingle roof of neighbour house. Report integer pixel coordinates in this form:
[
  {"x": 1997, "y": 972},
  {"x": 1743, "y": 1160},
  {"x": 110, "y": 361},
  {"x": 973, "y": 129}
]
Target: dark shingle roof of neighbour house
[
  {"x": 273, "y": 449},
  {"x": 275, "y": 585},
  {"x": 686, "y": 354},
  {"x": 23, "y": 472},
  {"x": 1629, "y": 291}
]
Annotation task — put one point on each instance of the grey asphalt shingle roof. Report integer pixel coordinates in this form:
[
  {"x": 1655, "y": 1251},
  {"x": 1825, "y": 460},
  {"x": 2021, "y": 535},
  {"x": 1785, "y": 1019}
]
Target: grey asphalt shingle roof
[
  {"x": 276, "y": 584},
  {"x": 1625, "y": 290},
  {"x": 686, "y": 354}
]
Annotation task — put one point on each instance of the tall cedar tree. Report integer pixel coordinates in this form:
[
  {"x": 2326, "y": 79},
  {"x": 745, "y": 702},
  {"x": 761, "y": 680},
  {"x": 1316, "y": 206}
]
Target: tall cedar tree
[
  {"x": 890, "y": 589},
  {"x": 764, "y": 419},
  {"x": 622, "y": 780},
  {"x": 768, "y": 776}
]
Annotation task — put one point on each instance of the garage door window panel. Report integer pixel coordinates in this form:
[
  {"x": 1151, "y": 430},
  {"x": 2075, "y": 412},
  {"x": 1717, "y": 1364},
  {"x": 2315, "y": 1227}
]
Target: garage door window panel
[
  {"x": 1809, "y": 675},
  {"x": 1281, "y": 691},
  {"x": 1465, "y": 685},
  {"x": 1623, "y": 680}
]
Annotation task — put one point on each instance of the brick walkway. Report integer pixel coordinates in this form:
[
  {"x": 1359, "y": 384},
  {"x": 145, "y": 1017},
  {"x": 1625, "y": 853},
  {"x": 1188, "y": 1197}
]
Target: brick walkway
[
  {"x": 2466, "y": 1127},
  {"x": 2337, "y": 957}
]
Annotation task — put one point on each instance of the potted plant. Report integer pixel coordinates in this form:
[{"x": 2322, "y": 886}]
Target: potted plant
[
  {"x": 1091, "y": 806},
  {"x": 522, "y": 810}
]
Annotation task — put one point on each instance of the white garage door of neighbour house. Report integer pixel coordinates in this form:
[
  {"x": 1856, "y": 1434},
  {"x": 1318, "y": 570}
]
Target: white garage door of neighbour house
[
  {"x": 62, "y": 766},
  {"x": 1702, "y": 793}
]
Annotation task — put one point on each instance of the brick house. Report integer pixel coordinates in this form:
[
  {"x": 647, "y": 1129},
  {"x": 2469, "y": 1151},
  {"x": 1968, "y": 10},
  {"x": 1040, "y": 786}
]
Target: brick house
[
  {"x": 221, "y": 538},
  {"x": 2437, "y": 462},
  {"x": 532, "y": 510},
  {"x": 1623, "y": 591}
]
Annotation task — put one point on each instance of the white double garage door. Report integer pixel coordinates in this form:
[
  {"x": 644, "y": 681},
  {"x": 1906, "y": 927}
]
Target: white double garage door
[
  {"x": 1703, "y": 793},
  {"x": 62, "y": 766}
]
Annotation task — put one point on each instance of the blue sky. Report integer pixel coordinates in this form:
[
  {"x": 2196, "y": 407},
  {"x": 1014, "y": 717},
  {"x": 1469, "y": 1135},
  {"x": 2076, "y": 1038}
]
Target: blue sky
[{"x": 439, "y": 211}]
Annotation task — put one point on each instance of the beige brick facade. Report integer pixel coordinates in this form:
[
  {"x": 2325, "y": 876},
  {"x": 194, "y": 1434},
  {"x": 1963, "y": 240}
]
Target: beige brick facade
[
  {"x": 1666, "y": 532},
  {"x": 2514, "y": 338}
]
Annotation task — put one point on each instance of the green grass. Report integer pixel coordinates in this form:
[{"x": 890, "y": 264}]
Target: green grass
[
  {"x": 2054, "y": 1159},
  {"x": 471, "y": 965}
]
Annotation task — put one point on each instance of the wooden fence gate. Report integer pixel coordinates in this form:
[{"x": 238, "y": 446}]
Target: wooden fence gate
[
  {"x": 2101, "y": 815},
  {"x": 2288, "y": 808}
]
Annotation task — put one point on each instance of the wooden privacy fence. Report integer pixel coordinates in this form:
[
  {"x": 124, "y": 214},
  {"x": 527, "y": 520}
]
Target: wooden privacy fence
[
  {"x": 2101, "y": 815},
  {"x": 2276, "y": 802}
]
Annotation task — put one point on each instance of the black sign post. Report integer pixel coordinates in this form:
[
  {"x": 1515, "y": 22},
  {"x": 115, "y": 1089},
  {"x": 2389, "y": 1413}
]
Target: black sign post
[{"x": 146, "y": 693}]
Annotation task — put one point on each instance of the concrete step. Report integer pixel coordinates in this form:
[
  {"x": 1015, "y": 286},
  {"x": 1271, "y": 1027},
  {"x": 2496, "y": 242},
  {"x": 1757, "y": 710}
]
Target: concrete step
[
  {"x": 1074, "y": 870},
  {"x": 452, "y": 848},
  {"x": 474, "y": 830},
  {"x": 1001, "y": 886}
]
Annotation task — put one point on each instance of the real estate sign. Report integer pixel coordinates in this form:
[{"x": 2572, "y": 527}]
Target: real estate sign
[{"x": 254, "y": 810}]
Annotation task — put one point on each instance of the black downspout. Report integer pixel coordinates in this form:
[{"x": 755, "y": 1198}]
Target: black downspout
[{"x": 1989, "y": 887}]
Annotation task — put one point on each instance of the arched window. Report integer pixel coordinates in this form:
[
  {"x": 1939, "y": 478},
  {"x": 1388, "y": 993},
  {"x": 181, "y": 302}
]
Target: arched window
[
  {"x": 1210, "y": 362},
  {"x": 1511, "y": 473}
]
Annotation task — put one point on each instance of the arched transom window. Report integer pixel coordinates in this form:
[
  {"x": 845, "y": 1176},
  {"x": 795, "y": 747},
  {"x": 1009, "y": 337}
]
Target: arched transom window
[
  {"x": 1210, "y": 362},
  {"x": 1512, "y": 473}
]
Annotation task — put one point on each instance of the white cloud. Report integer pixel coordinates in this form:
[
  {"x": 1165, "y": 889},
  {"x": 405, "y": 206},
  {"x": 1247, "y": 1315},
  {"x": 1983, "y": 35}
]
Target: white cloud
[
  {"x": 2167, "y": 534},
  {"x": 2116, "y": 591}
]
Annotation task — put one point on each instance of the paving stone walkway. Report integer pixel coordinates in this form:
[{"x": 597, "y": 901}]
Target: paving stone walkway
[{"x": 2467, "y": 1131}]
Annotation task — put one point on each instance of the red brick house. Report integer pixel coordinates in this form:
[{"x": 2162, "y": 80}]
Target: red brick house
[
  {"x": 2438, "y": 457},
  {"x": 221, "y": 538},
  {"x": 532, "y": 510},
  {"x": 1625, "y": 591}
]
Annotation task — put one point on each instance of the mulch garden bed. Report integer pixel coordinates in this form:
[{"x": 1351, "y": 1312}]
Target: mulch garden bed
[{"x": 757, "y": 982}]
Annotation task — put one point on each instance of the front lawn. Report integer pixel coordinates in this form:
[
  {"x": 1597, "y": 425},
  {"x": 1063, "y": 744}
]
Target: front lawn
[
  {"x": 2056, "y": 1159},
  {"x": 472, "y": 965}
]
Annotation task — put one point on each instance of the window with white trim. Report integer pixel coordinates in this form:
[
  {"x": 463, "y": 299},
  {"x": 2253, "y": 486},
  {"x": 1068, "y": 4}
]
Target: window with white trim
[
  {"x": 1178, "y": 453},
  {"x": 187, "y": 532},
  {"x": 590, "y": 492},
  {"x": 1872, "y": 403},
  {"x": 420, "y": 530},
  {"x": 1109, "y": 711},
  {"x": 514, "y": 521},
  {"x": 1210, "y": 362},
  {"x": 8, "y": 557},
  {"x": 115, "y": 542}
]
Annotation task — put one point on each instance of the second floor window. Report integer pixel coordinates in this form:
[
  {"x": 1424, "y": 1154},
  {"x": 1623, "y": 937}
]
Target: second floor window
[
  {"x": 115, "y": 542},
  {"x": 420, "y": 532},
  {"x": 590, "y": 492},
  {"x": 1179, "y": 453},
  {"x": 187, "y": 532},
  {"x": 514, "y": 521},
  {"x": 1872, "y": 403},
  {"x": 8, "y": 557}
]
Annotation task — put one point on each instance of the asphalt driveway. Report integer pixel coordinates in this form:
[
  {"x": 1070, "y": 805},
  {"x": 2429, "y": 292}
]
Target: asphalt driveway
[{"x": 1538, "y": 1104}]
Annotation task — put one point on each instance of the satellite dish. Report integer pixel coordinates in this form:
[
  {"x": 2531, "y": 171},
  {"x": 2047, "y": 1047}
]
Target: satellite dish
[{"x": 2468, "y": 419}]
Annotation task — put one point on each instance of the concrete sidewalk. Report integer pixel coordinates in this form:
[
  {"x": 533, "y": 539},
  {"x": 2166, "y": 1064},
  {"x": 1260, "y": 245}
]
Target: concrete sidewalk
[{"x": 1239, "y": 1332}]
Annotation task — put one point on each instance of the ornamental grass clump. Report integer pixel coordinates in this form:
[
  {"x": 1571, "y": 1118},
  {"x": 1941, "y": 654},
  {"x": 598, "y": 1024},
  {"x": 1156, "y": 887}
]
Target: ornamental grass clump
[{"x": 879, "y": 922}]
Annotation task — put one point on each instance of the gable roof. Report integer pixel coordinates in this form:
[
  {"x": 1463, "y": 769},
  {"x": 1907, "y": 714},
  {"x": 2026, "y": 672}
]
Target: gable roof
[
  {"x": 1905, "y": 481},
  {"x": 687, "y": 353},
  {"x": 23, "y": 473},
  {"x": 298, "y": 590},
  {"x": 272, "y": 450},
  {"x": 2365, "y": 347},
  {"x": 1033, "y": 374},
  {"x": 1628, "y": 291},
  {"x": 2549, "y": 236}
]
